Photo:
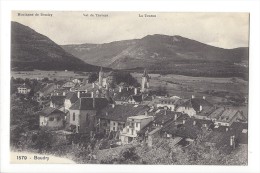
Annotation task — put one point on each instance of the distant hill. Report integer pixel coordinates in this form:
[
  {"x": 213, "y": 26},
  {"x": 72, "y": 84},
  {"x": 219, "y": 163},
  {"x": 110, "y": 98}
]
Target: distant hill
[
  {"x": 31, "y": 50},
  {"x": 166, "y": 54}
]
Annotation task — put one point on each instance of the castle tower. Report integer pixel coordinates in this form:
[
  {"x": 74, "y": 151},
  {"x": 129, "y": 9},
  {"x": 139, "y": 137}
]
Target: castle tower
[
  {"x": 100, "y": 77},
  {"x": 145, "y": 81}
]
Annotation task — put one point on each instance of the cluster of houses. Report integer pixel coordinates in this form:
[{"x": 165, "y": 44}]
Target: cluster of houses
[{"x": 131, "y": 114}]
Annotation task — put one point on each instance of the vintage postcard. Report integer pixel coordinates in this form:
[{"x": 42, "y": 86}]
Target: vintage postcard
[{"x": 156, "y": 88}]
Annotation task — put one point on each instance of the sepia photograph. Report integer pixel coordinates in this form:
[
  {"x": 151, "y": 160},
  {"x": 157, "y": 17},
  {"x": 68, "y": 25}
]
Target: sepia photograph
[{"x": 139, "y": 88}]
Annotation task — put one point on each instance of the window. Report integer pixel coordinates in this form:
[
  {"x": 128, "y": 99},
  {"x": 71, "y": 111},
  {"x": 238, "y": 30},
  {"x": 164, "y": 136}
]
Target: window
[
  {"x": 74, "y": 117},
  {"x": 136, "y": 124},
  {"x": 51, "y": 119},
  {"x": 114, "y": 124},
  {"x": 114, "y": 128},
  {"x": 58, "y": 118}
]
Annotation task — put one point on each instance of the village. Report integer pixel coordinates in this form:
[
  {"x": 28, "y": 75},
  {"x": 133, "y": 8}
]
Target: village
[{"x": 133, "y": 114}]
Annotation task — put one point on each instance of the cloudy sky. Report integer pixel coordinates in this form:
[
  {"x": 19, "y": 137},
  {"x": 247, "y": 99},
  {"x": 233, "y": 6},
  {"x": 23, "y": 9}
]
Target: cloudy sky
[{"x": 226, "y": 30}]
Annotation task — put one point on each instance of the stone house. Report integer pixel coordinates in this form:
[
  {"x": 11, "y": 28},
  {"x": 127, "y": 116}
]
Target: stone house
[
  {"x": 23, "y": 89},
  {"x": 51, "y": 118},
  {"x": 83, "y": 113},
  {"x": 133, "y": 125}
]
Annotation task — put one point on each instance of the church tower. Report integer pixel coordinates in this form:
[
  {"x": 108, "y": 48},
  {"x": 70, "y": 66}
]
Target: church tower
[
  {"x": 100, "y": 77},
  {"x": 145, "y": 81}
]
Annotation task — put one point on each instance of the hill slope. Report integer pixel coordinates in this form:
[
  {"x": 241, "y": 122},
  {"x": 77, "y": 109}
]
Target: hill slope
[
  {"x": 162, "y": 53},
  {"x": 31, "y": 50}
]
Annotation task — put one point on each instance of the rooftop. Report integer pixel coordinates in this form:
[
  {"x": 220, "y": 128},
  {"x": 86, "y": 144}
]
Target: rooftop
[
  {"x": 140, "y": 117},
  {"x": 49, "y": 110},
  {"x": 72, "y": 96},
  {"x": 122, "y": 112},
  {"x": 24, "y": 86},
  {"x": 89, "y": 104},
  {"x": 195, "y": 103},
  {"x": 227, "y": 115},
  {"x": 58, "y": 100},
  {"x": 47, "y": 87},
  {"x": 215, "y": 114},
  {"x": 179, "y": 129}
]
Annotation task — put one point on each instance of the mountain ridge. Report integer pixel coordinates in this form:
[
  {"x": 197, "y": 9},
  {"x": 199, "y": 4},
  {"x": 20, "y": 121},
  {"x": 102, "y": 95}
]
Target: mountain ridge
[
  {"x": 150, "y": 47},
  {"x": 32, "y": 50}
]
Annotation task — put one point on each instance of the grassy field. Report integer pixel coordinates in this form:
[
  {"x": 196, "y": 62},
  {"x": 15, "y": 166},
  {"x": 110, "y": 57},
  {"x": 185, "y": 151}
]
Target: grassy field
[{"x": 49, "y": 74}]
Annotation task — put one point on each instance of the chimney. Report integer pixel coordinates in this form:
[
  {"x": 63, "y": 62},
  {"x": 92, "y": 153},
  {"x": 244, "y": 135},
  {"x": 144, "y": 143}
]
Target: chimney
[
  {"x": 226, "y": 129},
  {"x": 135, "y": 91},
  {"x": 106, "y": 113},
  {"x": 175, "y": 117},
  {"x": 92, "y": 94},
  {"x": 165, "y": 112},
  {"x": 64, "y": 93},
  {"x": 232, "y": 138},
  {"x": 200, "y": 108},
  {"x": 93, "y": 85},
  {"x": 192, "y": 96},
  {"x": 94, "y": 102},
  {"x": 78, "y": 94},
  {"x": 194, "y": 122},
  {"x": 204, "y": 97},
  {"x": 183, "y": 121},
  {"x": 120, "y": 89},
  {"x": 113, "y": 105}
]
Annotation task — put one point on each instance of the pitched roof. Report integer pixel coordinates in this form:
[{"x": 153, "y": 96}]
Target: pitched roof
[
  {"x": 122, "y": 112},
  {"x": 240, "y": 129},
  {"x": 228, "y": 115},
  {"x": 89, "y": 104},
  {"x": 49, "y": 110},
  {"x": 86, "y": 87},
  {"x": 164, "y": 116},
  {"x": 222, "y": 137},
  {"x": 186, "y": 130},
  {"x": 46, "y": 87},
  {"x": 216, "y": 113},
  {"x": 195, "y": 103},
  {"x": 58, "y": 100},
  {"x": 24, "y": 86},
  {"x": 60, "y": 82},
  {"x": 136, "y": 98},
  {"x": 172, "y": 101},
  {"x": 124, "y": 94},
  {"x": 72, "y": 96},
  {"x": 206, "y": 111}
]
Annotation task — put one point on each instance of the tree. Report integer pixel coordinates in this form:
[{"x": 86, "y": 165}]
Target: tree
[
  {"x": 93, "y": 77},
  {"x": 126, "y": 78},
  {"x": 45, "y": 79}
]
